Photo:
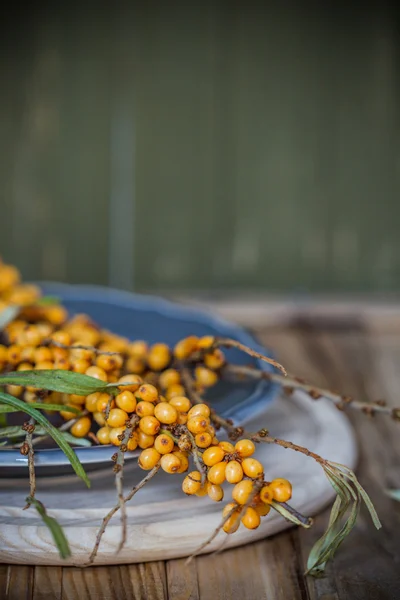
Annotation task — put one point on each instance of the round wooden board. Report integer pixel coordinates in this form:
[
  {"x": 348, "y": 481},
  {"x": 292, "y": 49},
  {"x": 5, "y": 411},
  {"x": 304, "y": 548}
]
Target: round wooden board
[{"x": 162, "y": 522}]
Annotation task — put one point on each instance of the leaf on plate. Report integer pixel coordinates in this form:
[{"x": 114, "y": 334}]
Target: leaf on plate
[{"x": 55, "y": 528}]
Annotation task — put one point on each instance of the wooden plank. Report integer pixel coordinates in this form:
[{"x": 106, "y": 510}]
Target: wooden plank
[
  {"x": 47, "y": 583},
  {"x": 267, "y": 570},
  {"x": 182, "y": 580},
  {"x": 19, "y": 583}
]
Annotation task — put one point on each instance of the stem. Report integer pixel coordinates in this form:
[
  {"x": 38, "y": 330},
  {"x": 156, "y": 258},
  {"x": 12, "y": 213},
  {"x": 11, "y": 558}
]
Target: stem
[
  {"x": 290, "y": 383},
  {"x": 115, "y": 509},
  {"x": 81, "y": 347},
  {"x": 31, "y": 461},
  {"x": 228, "y": 343}
]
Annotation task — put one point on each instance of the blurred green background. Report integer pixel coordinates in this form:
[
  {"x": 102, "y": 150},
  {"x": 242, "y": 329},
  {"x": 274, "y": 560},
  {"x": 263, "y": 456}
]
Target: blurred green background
[{"x": 194, "y": 146}]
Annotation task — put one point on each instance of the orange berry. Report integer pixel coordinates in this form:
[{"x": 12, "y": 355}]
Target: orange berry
[
  {"x": 67, "y": 415},
  {"x": 62, "y": 363},
  {"x": 215, "y": 359},
  {"x": 131, "y": 378},
  {"x": 148, "y": 459},
  {"x": 126, "y": 401},
  {"x": 158, "y": 357},
  {"x": 262, "y": 509},
  {"x": 103, "y": 401},
  {"x": 227, "y": 447},
  {"x": 115, "y": 433},
  {"x": 169, "y": 377},
  {"x": 97, "y": 373},
  {"x": 164, "y": 444},
  {"x": 205, "y": 377},
  {"x": 192, "y": 483},
  {"x": 252, "y": 468},
  {"x": 145, "y": 440},
  {"x": 117, "y": 418},
  {"x": 108, "y": 362},
  {"x": 215, "y": 492},
  {"x": 183, "y": 457},
  {"x": 281, "y": 489},
  {"x": 80, "y": 365},
  {"x": 170, "y": 463},
  {"x": 181, "y": 403},
  {"x": 198, "y": 424},
  {"x": 242, "y": 490},
  {"x": 56, "y": 314},
  {"x": 199, "y": 409},
  {"x": 42, "y": 354},
  {"x": 100, "y": 418},
  {"x": 205, "y": 342},
  {"x": 145, "y": 409},
  {"x": 233, "y": 522},
  {"x": 216, "y": 473},
  {"x": 245, "y": 448},
  {"x": 149, "y": 425},
  {"x": 138, "y": 349},
  {"x": 13, "y": 354},
  {"x": 132, "y": 444},
  {"x": 213, "y": 455},
  {"x": 135, "y": 365},
  {"x": 61, "y": 337},
  {"x": 81, "y": 427},
  {"x": 24, "y": 366},
  {"x": 267, "y": 494},
  {"x": 251, "y": 519},
  {"x": 185, "y": 347},
  {"x": 166, "y": 413},
  {"x": 46, "y": 365},
  {"x": 91, "y": 401},
  {"x": 203, "y": 440},
  {"x": 103, "y": 435},
  {"x": 174, "y": 390},
  {"x": 233, "y": 472},
  {"x": 147, "y": 392},
  {"x": 182, "y": 418}
]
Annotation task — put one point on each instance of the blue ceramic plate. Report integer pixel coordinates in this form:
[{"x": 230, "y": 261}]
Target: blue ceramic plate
[{"x": 154, "y": 320}]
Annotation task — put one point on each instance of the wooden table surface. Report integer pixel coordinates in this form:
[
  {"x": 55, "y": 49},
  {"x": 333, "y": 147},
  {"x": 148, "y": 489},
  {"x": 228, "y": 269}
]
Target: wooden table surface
[{"x": 343, "y": 352}]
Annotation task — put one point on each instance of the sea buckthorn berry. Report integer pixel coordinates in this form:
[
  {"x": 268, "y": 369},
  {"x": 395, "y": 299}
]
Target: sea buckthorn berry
[
  {"x": 215, "y": 492},
  {"x": 100, "y": 418},
  {"x": 227, "y": 447},
  {"x": 281, "y": 489},
  {"x": 211, "y": 430},
  {"x": 109, "y": 362},
  {"x": 185, "y": 347},
  {"x": 114, "y": 434},
  {"x": 91, "y": 401},
  {"x": 159, "y": 357},
  {"x": 233, "y": 472},
  {"x": 251, "y": 519},
  {"x": 103, "y": 401},
  {"x": 58, "y": 353},
  {"x": 149, "y": 425},
  {"x": 215, "y": 441},
  {"x": 174, "y": 390},
  {"x": 184, "y": 460},
  {"x": 131, "y": 378},
  {"x": 97, "y": 373},
  {"x": 3, "y": 353},
  {"x": 42, "y": 354},
  {"x": 24, "y": 366},
  {"x": 192, "y": 483},
  {"x": 132, "y": 444},
  {"x": 103, "y": 435},
  {"x": 149, "y": 458},
  {"x": 164, "y": 444},
  {"x": 169, "y": 377},
  {"x": 245, "y": 448},
  {"x": 81, "y": 353},
  {"x": 203, "y": 440},
  {"x": 262, "y": 509},
  {"x": 46, "y": 365},
  {"x": 147, "y": 392},
  {"x": 62, "y": 363},
  {"x": 135, "y": 365},
  {"x": 67, "y": 415},
  {"x": 145, "y": 409},
  {"x": 61, "y": 337},
  {"x": 27, "y": 354},
  {"x": 75, "y": 399},
  {"x": 81, "y": 427},
  {"x": 252, "y": 468},
  {"x": 267, "y": 494},
  {"x": 13, "y": 354},
  {"x": 198, "y": 424},
  {"x": 181, "y": 403},
  {"x": 242, "y": 490},
  {"x": 80, "y": 365},
  {"x": 56, "y": 314},
  {"x": 166, "y": 413},
  {"x": 126, "y": 400},
  {"x": 170, "y": 463},
  {"x": 138, "y": 349},
  {"x": 15, "y": 390},
  {"x": 199, "y": 409},
  {"x": 216, "y": 473},
  {"x": 232, "y": 524},
  {"x": 145, "y": 440},
  {"x": 117, "y": 418},
  {"x": 213, "y": 455},
  {"x": 29, "y": 337},
  {"x": 182, "y": 418},
  {"x": 205, "y": 377},
  {"x": 215, "y": 359},
  {"x": 205, "y": 342},
  {"x": 203, "y": 491}
]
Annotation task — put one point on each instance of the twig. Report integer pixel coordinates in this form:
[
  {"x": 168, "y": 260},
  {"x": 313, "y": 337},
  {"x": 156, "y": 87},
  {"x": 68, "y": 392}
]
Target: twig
[
  {"x": 115, "y": 509},
  {"x": 197, "y": 458},
  {"x": 93, "y": 349},
  {"x": 290, "y": 383},
  {"x": 29, "y": 427},
  {"x": 118, "y": 469},
  {"x": 228, "y": 343}
]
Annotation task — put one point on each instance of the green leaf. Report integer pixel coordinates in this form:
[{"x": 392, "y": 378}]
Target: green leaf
[
  {"x": 50, "y": 429},
  {"x": 395, "y": 494},
  {"x": 12, "y": 431},
  {"x": 42, "y": 406},
  {"x": 47, "y": 300},
  {"x": 291, "y": 515},
  {"x": 8, "y": 314},
  {"x": 55, "y": 380},
  {"x": 71, "y": 439},
  {"x": 55, "y": 528}
]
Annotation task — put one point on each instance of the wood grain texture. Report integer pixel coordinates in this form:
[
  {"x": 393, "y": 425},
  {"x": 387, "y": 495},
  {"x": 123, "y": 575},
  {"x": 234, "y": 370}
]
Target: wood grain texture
[
  {"x": 182, "y": 580},
  {"x": 47, "y": 583}
]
